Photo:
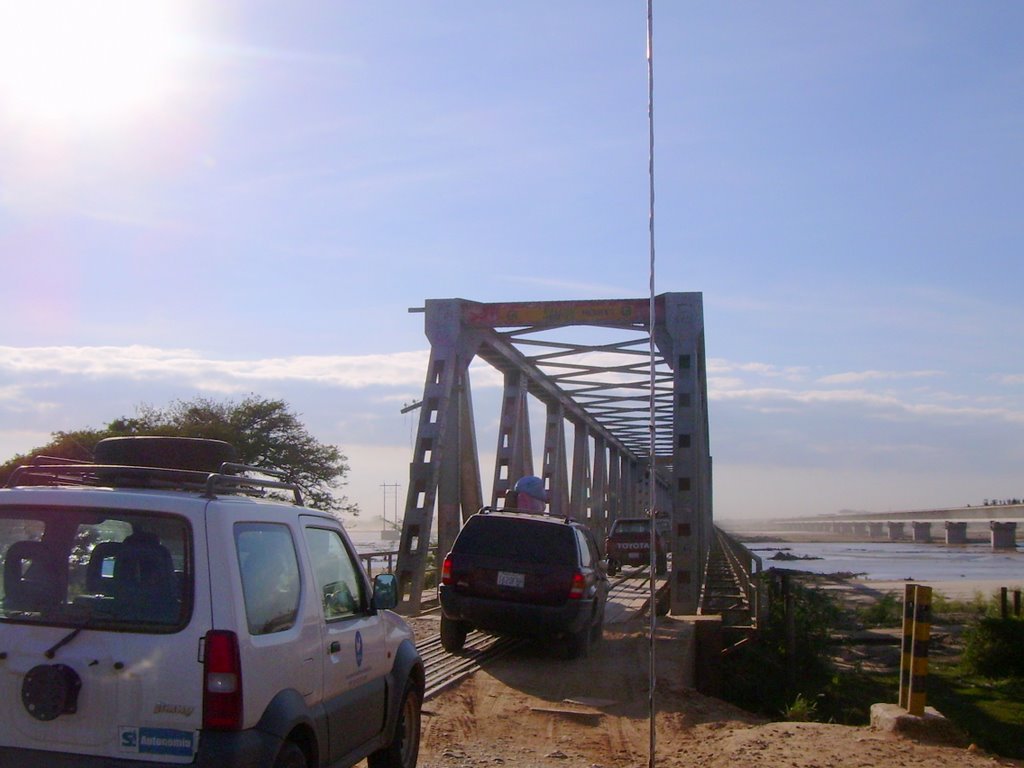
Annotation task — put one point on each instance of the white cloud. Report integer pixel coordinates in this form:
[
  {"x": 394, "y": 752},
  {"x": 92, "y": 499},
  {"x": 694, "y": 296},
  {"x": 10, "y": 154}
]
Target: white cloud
[
  {"x": 792, "y": 420},
  {"x": 729, "y": 381},
  {"x": 768, "y": 399},
  {"x": 10, "y": 393},
  {"x": 773, "y": 395},
  {"x": 150, "y": 363},
  {"x": 789, "y": 373},
  {"x": 852, "y": 377},
  {"x": 723, "y": 383}
]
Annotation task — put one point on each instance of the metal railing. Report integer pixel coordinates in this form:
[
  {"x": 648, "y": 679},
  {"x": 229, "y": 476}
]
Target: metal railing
[
  {"x": 379, "y": 562},
  {"x": 744, "y": 568}
]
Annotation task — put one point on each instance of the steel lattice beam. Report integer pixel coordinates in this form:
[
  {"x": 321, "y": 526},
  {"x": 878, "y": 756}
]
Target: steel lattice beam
[{"x": 602, "y": 388}]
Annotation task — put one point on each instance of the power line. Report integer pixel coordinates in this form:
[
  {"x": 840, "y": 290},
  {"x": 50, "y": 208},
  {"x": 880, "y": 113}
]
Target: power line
[{"x": 653, "y": 622}]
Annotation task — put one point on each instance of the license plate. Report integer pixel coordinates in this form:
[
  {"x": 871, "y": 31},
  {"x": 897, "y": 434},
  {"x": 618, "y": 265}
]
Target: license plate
[{"x": 510, "y": 579}]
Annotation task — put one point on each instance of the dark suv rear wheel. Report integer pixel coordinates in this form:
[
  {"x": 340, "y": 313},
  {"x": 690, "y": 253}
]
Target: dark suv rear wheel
[
  {"x": 597, "y": 631},
  {"x": 578, "y": 645},
  {"x": 290, "y": 756},
  {"x": 453, "y": 634}
]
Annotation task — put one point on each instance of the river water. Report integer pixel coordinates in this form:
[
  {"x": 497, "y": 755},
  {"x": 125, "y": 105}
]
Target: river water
[
  {"x": 896, "y": 560},
  {"x": 883, "y": 560}
]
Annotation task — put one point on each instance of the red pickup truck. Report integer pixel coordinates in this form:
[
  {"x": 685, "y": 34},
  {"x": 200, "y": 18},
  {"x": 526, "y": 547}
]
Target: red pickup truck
[{"x": 629, "y": 543}]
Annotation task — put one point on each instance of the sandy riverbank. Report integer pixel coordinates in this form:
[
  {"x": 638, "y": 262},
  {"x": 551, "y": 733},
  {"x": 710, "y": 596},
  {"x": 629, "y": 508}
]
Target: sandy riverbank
[
  {"x": 958, "y": 589},
  {"x": 860, "y": 589},
  {"x": 951, "y": 589}
]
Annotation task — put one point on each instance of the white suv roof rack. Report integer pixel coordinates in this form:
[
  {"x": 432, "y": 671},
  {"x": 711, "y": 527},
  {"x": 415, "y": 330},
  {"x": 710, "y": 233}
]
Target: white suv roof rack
[{"x": 162, "y": 478}]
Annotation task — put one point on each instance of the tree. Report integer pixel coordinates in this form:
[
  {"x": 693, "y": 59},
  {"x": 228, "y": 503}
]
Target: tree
[{"x": 266, "y": 434}]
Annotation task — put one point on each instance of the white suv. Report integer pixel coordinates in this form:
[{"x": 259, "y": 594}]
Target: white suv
[{"x": 157, "y": 608}]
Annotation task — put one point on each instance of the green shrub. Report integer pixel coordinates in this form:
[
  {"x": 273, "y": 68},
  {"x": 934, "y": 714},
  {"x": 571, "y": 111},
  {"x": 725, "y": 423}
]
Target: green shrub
[
  {"x": 995, "y": 648},
  {"x": 887, "y": 611},
  {"x": 760, "y": 678},
  {"x": 959, "y": 610},
  {"x": 802, "y": 710}
]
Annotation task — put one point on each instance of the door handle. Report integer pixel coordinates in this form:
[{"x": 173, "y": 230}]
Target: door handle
[{"x": 335, "y": 647}]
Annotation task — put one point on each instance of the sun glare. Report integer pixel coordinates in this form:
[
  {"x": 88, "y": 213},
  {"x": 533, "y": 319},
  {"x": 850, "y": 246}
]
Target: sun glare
[{"x": 86, "y": 63}]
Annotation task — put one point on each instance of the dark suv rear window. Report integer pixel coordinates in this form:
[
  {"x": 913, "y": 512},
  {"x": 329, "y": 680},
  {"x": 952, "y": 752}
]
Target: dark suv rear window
[
  {"x": 526, "y": 541},
  {"x": 97, "y": 568}
]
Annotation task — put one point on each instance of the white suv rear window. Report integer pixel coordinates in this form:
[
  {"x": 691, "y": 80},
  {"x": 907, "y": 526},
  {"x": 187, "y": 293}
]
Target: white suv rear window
[{"x": 95, "y": 568}]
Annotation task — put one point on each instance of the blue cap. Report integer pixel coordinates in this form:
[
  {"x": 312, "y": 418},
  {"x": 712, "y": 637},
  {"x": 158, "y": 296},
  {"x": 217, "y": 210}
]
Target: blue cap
[{"x": 533, "y": 486}]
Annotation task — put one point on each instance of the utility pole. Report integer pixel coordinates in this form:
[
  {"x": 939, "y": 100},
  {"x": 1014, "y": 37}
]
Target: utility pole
[{"x": 393, "y": 531}]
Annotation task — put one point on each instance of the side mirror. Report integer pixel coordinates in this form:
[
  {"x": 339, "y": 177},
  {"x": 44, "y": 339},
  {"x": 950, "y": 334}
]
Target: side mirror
[{"x": 385, "y": 591}]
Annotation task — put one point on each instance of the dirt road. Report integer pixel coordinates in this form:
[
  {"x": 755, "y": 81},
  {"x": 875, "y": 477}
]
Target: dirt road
[{"x": 533, "y": 709}]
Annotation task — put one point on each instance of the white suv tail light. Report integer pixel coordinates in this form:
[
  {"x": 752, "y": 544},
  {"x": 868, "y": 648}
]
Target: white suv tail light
[{"x": 222, "y": 682}]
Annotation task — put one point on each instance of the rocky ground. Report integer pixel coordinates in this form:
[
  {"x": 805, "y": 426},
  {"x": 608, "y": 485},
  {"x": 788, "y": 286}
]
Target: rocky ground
[{"x": 531, "y": 708}]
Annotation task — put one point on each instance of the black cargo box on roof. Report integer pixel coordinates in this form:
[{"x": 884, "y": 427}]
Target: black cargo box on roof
[{"x": 188, "y": 453}]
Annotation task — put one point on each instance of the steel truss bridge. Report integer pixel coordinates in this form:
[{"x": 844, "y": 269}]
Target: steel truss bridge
[{"x": 586, "y": 366}]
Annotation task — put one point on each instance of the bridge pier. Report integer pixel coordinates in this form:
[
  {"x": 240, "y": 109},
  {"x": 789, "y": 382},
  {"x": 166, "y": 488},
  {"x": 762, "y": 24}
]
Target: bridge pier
[
  {"x": 876, "y": 530},
  {"x": 679, "y": 333},
  {"x": 1004, "y": 535},
  {"x": 896, "y": 531},
  {"x": 956, "y": 533},
  {"x": 860, "y": 529},
  {"x": 922, "y": 532}
]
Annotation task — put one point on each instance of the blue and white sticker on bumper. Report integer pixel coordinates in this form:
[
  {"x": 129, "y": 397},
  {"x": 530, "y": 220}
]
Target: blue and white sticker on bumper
[{"x": 157, "y": 741}]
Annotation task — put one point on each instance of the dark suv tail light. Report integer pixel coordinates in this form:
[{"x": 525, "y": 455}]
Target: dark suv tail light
[
  {"x": 446, "y": 571},
  {"x": 579, "y": 586},
  {"x": 222, "y": 682}
]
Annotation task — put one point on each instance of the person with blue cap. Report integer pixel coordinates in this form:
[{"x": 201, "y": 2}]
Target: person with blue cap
[{"x": 530, "y": 494}]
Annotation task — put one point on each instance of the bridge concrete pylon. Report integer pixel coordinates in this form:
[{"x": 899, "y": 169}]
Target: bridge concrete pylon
[
  {"x": 1004, "y": 534},
  {"x": 956, "y": 532},
  {"x": 601, "y": 387}
]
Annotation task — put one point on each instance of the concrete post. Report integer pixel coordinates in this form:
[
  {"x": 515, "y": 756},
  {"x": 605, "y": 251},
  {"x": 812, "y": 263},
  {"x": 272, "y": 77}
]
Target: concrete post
[
  {"x": 896, "y": 531},
  {"x": 956, "y": 533},
  {"x": 922, "y": 532},
  {"x": 1004, "y": 535}
]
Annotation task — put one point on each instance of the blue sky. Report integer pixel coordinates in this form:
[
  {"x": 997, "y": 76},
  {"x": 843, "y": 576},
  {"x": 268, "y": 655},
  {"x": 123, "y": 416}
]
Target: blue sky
[{"x": 248, "y": 197}]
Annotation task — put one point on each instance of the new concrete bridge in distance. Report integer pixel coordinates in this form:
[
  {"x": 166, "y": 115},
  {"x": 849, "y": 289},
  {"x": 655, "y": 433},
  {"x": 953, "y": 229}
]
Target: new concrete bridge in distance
[{"x": 996, "y": 522}]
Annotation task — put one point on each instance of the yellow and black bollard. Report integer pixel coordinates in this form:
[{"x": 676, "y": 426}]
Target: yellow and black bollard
[{"x": 917, "y": 631}]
